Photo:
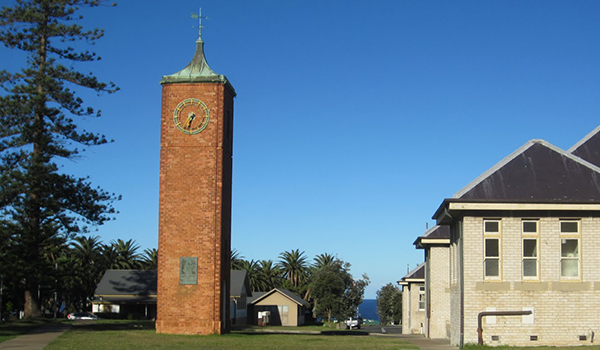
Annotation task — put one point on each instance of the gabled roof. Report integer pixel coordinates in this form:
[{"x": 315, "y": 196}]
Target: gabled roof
[
  {"x": 255, "y": 296},
  {"x": 437, "y": 235},
  {"x": 127, "y": 284},
  {"x": 238, "y": 280},
  {"x": 588, "y": 148},
  {"x": 288, "y": 294},
  {"x": 537, "y": 172},
  {"x": 417, "y": 275},
  {"x": 140, "y": 285}
]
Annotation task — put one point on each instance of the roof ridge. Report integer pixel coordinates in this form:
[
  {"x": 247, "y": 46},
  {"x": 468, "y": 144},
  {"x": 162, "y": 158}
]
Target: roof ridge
[
  {"x": 584, "y": 139},
  {"x": 517, "y": 152}
]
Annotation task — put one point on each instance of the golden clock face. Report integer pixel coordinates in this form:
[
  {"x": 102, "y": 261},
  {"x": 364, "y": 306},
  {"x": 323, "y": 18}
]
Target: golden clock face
[{"x": 191, "y": 116}]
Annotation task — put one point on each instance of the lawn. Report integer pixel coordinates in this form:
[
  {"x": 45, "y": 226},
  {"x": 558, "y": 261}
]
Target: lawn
[{"x": 141, "y": 335}]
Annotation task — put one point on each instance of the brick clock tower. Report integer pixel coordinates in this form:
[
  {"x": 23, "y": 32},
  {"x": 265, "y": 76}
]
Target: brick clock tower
[{"x": 195, "y": 200}]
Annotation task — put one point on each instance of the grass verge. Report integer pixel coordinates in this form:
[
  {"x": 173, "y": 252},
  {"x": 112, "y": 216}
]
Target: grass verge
[
  {"x": 506, "y": 347},
  {"x": 141, "y": 335}
]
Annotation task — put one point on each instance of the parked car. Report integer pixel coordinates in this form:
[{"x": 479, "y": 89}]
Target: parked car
[
  {"x": 354, "y": 322},
  {"x": 81, "y": 316}
]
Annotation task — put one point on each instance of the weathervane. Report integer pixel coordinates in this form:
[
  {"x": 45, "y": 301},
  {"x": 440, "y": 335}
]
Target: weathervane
[{"x": 200, "y": 26}]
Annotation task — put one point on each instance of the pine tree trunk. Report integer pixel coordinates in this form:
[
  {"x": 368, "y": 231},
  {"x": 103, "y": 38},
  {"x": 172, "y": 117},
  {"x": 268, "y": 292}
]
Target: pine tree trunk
[{"x": 32, "y": 302}]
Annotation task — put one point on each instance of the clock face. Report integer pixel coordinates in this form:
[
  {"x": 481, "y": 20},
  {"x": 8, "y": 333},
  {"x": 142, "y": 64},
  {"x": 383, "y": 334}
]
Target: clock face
[{"x": 191, "y": 116}]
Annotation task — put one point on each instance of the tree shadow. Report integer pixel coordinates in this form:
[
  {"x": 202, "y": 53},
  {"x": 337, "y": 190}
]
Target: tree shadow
[
  {"x": 135, "y": 282},
  {"x": 100, "y": 326}
]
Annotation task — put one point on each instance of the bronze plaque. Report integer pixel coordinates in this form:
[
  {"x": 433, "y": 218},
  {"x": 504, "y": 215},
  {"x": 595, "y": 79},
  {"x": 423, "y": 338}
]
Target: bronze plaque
[{"x": 188, "y": 270}]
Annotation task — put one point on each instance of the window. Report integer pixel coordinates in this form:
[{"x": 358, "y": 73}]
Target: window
[
  {"x": 491, "y": 234},
  {"x": 569, "y": 249},
  {"x": 283, "y": 314},
  {"x": 421, "y": 298},
  {"x": 530, "y": 249}
]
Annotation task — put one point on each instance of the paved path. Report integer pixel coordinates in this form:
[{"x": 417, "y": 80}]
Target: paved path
[
  {"x": 428, "y": 344},
  {"x": 37, "y": 339}
]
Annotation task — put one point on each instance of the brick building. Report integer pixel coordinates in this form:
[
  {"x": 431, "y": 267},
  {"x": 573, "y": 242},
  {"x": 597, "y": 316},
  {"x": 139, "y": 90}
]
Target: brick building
[
  {"x": 195, "y": 200},
  {"x": 523, "y": 238}
]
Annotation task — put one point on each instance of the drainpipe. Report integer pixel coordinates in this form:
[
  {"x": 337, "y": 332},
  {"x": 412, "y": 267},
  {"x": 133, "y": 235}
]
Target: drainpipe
[
  {"x": 461, "y": 281},
  {"x": 481, "y": 315}
]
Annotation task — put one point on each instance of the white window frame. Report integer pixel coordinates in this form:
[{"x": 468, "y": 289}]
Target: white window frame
[
  {"x": 564, "y": 236},
  {"x": 421, "y": 298},
  {"x": 530, "y": 236},
  {"x": 492, "y": 235}
]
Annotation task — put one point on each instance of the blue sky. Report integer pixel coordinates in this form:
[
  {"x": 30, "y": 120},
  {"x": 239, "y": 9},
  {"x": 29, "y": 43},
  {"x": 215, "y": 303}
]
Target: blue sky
[{"x": 353, "y": 119}]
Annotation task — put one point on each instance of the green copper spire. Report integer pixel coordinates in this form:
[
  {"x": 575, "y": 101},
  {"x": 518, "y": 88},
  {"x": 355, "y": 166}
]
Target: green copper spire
[{"x": 197, "y": 71}]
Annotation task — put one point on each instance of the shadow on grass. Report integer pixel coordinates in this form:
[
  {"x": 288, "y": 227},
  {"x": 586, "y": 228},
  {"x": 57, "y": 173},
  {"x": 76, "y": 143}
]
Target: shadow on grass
[{"x": 110, "y": 325}]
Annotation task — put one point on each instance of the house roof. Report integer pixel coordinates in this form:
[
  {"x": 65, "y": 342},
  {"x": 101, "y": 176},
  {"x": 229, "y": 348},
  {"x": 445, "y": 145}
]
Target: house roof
[
  {"x": 288, "y": 294},
  {"x": 437, "y": 235},
  {"x": 537, "y": 172},
  {"x": 416, "y": 275},
  {"x": 588, "y": 148},
  {"x": 140, "y": 285},
  {"x": 238, "y": 281},
  {"x": 255, "y": 296},
  {"x": 127, "y": 283}
]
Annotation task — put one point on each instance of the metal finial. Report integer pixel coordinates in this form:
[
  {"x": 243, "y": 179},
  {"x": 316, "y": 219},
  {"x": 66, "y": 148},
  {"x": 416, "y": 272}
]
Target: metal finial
[{"x": 199, "y": 17}]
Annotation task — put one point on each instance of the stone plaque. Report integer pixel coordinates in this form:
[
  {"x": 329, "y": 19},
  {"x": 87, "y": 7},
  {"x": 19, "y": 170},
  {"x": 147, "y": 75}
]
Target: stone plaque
[{"x": 188, "y": 270}]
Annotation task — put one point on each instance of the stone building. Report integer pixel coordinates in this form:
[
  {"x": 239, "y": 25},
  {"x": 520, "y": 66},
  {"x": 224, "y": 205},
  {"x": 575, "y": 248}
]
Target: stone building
[
  {"x": 413, "y": 301},
  {"x": 523, "y": 241},
  {"x": 435, "y": 242}
]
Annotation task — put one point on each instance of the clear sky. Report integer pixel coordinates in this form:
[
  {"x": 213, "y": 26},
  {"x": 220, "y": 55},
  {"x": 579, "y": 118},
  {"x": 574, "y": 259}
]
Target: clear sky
[{"x": 353, "y": 120}]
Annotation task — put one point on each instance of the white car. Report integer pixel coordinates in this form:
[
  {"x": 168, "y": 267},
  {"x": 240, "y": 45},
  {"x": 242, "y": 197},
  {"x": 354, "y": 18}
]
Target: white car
[
  {"x": 353, "y": 323},
  {"x": 81, "y": 316}
]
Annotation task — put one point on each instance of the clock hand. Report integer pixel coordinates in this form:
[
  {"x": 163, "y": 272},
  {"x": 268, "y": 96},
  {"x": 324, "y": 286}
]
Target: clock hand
[{"x": 190, "y": 119}]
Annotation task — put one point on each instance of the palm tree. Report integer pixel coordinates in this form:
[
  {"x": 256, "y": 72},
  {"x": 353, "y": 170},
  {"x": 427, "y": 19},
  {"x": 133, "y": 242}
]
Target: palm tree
[
  {"x": 110, "y": 257},
  {"x": 294, "y": 267},
  {"x": 149, "y": 260},
  {"x": 322, "y": 260},
  {"x": 251, "y": 268},
  {"x": 236, "y": 260},
  {"x": 127, "y": 256},
  {"x": 269, "y": 275}
]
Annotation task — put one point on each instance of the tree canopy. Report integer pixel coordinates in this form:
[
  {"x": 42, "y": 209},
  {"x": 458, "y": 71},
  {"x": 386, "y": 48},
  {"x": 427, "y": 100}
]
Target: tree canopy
[
  {"x": 389, "y": 304},
  {"x": 326, "y": 283},
  {"x": 41, "y": 208}
]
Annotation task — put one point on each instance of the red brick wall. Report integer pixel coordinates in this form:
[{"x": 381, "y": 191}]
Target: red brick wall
[{"x": 195, "y": 213}]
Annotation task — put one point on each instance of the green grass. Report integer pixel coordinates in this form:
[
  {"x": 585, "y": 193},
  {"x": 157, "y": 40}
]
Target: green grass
[
  {"x": 506, "y": 347},
  {"x": 11, "y": 329},
  {"x": 141, "y": 335}
]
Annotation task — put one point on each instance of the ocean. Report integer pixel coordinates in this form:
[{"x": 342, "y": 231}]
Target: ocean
[{"x": 368, "y": 310}]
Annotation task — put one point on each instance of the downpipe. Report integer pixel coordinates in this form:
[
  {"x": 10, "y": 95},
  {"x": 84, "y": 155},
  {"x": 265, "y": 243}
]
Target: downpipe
[{"x": 482, "y": 314}]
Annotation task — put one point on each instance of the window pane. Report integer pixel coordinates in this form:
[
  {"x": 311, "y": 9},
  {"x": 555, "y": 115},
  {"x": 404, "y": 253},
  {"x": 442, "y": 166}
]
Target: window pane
[
  {"x": 530, "y": 248},
  {"x": 569, "y": 226},
  {"x": 492, "y": 248},
  {"x": 492, "y": 267},
  {"x": 492, "y": 226},
  {"x": 530, "y": 267},
  {"x": 569, "y": 267},
  {"x": 530, "y": 226},
  {"x": 569, "y": 248}
]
